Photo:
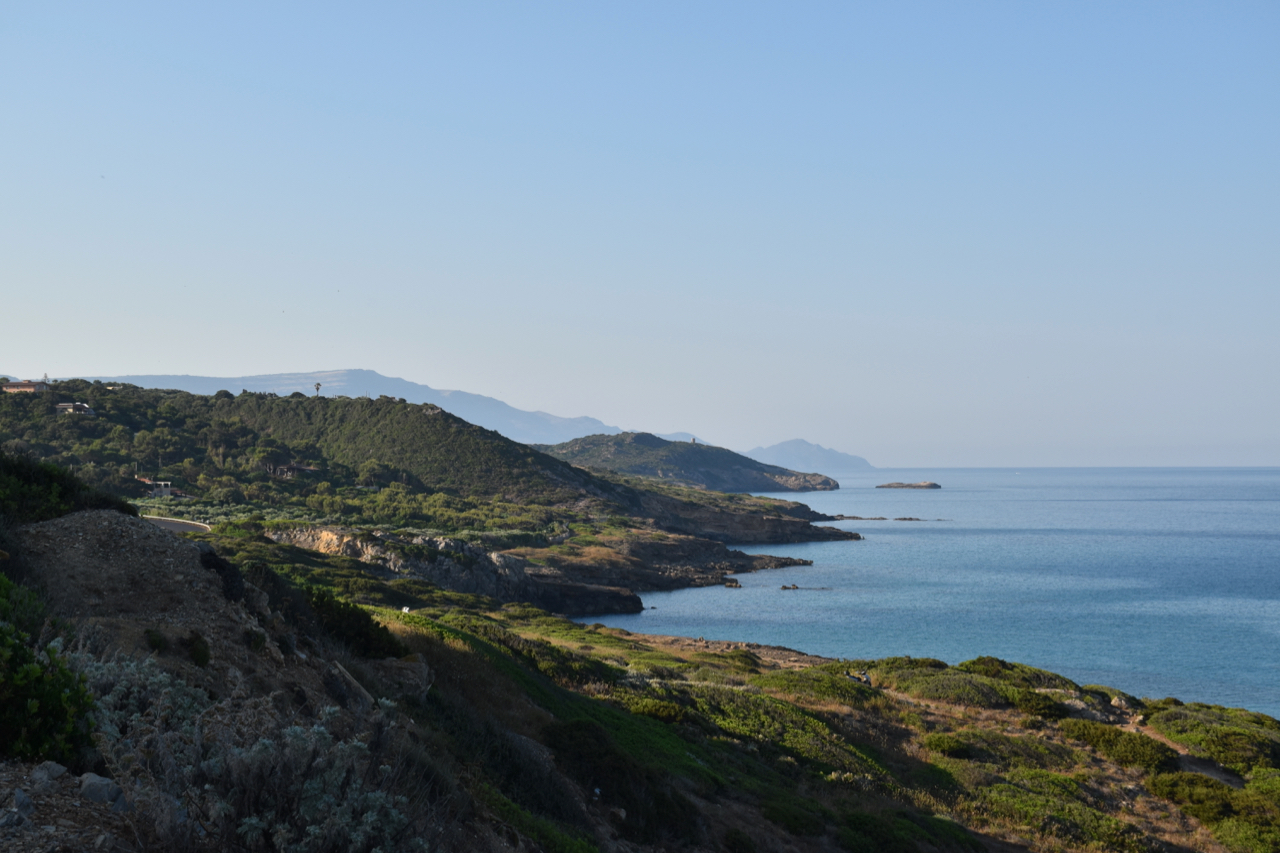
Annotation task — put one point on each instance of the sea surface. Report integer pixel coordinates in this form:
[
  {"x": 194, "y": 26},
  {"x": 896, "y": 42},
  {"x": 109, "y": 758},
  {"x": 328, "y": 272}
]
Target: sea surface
[{"x": 1156, "y": 581}]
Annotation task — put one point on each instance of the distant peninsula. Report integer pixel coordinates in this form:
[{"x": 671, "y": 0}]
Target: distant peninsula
[
  {"x": 685, "y": 463},
  {"x": 801, "y": 455},
  {"x": 925, "y": 485}
]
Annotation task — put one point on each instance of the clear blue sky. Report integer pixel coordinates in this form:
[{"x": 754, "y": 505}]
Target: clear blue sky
[{"x": 928, "y": 233}]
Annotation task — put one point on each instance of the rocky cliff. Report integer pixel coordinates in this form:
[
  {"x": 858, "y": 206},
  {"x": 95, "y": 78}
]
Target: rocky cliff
[
  {"x": 792, "y": 523},
  {"x": 463, "y": 567}
]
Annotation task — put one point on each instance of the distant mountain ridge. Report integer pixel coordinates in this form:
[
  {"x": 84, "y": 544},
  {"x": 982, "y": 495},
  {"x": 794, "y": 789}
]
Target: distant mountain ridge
[
  {"x": 516, "y": 424},
  {"x": 802, "y": 455},
  {"x": 686, "y": 463}
]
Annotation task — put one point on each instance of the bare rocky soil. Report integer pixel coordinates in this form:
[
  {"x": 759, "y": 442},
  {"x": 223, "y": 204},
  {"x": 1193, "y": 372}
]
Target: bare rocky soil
[{"x": 43, "y": 810}]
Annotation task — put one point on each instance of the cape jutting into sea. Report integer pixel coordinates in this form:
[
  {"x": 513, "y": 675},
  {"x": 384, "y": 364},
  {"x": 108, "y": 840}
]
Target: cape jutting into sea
[{"x": 1156, "y": 581}]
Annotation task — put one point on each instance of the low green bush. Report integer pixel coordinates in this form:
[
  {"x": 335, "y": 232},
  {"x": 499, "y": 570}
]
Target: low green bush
[
  {"x": 198, "y": 648},
  {"x": 1017, "y": 674},
  {"x": 1205, "y": 799},
  {"x": 1239, "y": 739},
  {"x": 1009, "y": 752},
  {"x": 795, "y": 815},
  {"x": 658, "y": 709},
  {"x": 33, "y": 491},
  {"x": 44, "y": 706},
  {"x": 353, "y": 625},
  {"x": 21, "y": 607},
  {"x": 902, "y": 832},
  {"x": 1039, "y": 705},
  {"x": 947, "y": 744},
  {"x": 156, "y": 640},
  {"x": 1247, "y": 821},
  {"x": 655, "y": 811},
  {"x": 1126, "y": 748},
  {"x": 738, "y": 841}
]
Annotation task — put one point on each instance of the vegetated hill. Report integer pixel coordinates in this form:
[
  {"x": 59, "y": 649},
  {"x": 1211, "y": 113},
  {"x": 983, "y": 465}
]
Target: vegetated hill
[
  {"x": 360, "y": 441},
  {"x": 362, "y": 461},
  {"x": 337, "y": 709},
  {"x": 688, "y": 463},
  {"x": 806, "y": 456},
  {"x": 516, "y": 424}
]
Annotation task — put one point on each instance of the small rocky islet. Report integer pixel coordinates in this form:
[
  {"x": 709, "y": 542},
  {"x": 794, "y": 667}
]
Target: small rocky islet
[{"x": 927, "y": 484}]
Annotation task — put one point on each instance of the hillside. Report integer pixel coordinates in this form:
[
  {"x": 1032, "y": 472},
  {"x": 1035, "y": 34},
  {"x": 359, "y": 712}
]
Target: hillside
[
  {"x": 806, "y": 456},
  {"x": 264, "y": 697},
  {"x": 516, "y": 424},
  {"x": 362, "y": 464},
  {"x": 687, "y": 463}
]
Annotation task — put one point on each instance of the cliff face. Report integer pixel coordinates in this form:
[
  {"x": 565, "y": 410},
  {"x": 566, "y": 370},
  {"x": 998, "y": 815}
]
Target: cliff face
[
  {"x": 462, "y": 567},
  {"x": 744, "y": 528},
  {"x": 604, "y": 582}
]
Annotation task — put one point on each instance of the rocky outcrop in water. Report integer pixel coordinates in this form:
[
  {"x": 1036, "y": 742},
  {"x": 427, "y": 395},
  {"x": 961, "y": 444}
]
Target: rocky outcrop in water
[{"x": 925, "y": 485}]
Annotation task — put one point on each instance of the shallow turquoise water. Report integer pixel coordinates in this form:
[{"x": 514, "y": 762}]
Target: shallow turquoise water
[{"x": 1156, "y": 581}]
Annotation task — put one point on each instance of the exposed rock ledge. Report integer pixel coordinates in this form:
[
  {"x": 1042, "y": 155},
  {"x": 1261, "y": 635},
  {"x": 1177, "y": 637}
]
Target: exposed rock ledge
[
  {"x": 462, "y": 567},
  {"x": 578, "y": 588},
  {"x": 924, "y": 485}
]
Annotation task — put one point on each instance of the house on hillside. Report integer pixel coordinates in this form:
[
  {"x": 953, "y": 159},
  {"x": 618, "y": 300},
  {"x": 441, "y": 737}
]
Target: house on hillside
[
  {"x": 162, "y": 488},
  {"x": 26, "y": 386},
  {"x": 288, "y": 472},
  {"x": 75, "y": 409}
]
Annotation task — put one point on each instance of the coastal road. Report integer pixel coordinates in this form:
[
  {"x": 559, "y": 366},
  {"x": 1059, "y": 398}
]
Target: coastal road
[{"x": 177, "y": 525}]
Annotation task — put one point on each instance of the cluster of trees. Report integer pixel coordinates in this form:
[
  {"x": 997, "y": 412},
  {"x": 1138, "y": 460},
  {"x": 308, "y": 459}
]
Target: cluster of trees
[{"x": 373, "y": 460}]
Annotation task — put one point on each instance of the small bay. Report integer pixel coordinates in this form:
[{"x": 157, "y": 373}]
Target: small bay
[{"x": 1158, "y": 581}]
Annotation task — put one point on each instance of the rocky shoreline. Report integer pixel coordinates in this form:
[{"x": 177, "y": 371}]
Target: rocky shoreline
[{"x": 571, "y": 588}]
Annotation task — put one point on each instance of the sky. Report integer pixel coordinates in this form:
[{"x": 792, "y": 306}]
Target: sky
[{"x": 927, "y": 233}]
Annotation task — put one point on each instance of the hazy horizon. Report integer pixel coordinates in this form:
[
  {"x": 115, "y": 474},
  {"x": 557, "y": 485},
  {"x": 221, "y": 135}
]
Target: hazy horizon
[{"x": 932, "y": 235}]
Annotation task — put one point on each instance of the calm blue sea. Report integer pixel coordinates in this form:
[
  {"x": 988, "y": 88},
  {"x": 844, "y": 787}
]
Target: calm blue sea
[{"x": 1157, "y": 581}]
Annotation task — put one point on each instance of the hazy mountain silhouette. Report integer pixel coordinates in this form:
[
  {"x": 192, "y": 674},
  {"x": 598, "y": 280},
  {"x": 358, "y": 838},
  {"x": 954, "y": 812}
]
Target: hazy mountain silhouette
[
  {"x": 516, "y": 424},
  {"x": 800, "y": 455}
]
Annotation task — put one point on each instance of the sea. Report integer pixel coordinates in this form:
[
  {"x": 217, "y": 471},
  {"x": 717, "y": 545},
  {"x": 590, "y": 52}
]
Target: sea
[{"x": 1156, "y": 581}]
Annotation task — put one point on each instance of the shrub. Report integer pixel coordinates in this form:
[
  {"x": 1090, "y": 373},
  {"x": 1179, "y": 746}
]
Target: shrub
[
  {"x": 947, "y": 744},
  {"x": 1205, "y": 799},
  {"x": 156, "y": 641},
  {"x": 198, "y": 649},
  {"x": 797, "y": 816},
  {"x": 586, "y": 752},
  {"x": 353, "y": 625},
  {"x": 21, "y": 607},
  {"x": 44, "y": 706},
  {"x": 1016, "y": 674},
  {"x": 901, "y": 832},
  {"x": 1126, "y": 748},
  {"x": 33, "y": 491},
  {"x": 1039, "y": 705},
  {"x": 1239, "y": 739},
  {"x": 738, "y": 841},
  {"x": 667, "y": 712},
  {"x": 230, "y": 775}
]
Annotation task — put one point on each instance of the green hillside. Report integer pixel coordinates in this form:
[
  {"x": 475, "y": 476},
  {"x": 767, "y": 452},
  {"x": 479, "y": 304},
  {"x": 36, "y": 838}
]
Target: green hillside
[
  {"x": 352, "y": 461},
  {"x": 194, "y": 440},
  {"x": 698, "y": 465}
]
